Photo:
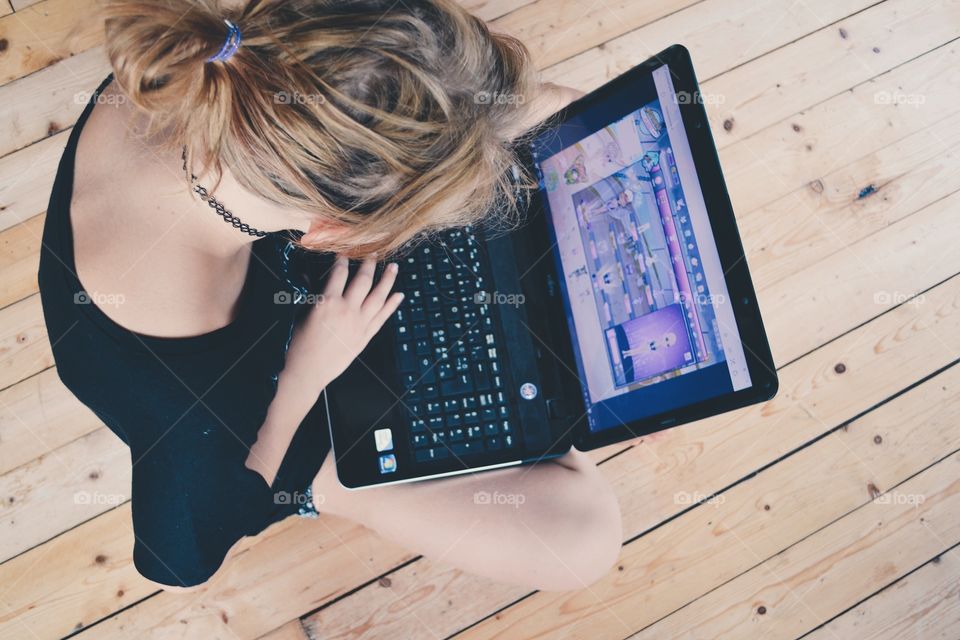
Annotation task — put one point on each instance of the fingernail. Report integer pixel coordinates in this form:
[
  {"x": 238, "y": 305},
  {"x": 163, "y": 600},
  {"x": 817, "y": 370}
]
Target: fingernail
[
  {"x": 401, "y": 296},
  {"x": 393, "y": 266}
]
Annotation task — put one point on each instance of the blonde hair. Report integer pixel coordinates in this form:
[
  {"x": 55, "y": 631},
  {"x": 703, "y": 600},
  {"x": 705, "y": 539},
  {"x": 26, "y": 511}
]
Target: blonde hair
[{"x": 388, "y": 119}]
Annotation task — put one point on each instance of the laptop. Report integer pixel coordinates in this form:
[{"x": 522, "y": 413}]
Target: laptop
[{"x": 622, "y": 305}]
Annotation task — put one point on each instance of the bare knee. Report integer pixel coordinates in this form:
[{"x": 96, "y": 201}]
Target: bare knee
[{"x": 583, "y": 536}]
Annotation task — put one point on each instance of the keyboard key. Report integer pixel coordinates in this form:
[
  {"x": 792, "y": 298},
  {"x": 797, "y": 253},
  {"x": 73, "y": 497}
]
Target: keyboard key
[
  {"x": 406, "y": 358},
  {"x": 466, "y": 448},
  {"x": 426, "y": 455},
  {"x": 421, "y": 440}
]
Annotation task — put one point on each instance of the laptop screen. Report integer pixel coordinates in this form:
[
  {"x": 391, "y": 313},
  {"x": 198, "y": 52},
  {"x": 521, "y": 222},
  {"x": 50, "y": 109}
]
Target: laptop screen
[{"x": 643, "y": 287}]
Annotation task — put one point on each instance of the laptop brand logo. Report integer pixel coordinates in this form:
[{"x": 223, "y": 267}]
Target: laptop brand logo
[{"x": 528, "y": 391}]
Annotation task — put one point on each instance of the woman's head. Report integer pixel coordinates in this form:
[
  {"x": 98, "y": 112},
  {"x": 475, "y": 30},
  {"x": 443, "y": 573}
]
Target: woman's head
[{"x": 381, "y": 120}]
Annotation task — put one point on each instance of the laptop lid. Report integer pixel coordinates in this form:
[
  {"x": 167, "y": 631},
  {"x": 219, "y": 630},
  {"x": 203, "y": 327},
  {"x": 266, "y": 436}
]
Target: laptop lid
[{"x": 648, "y": 318}]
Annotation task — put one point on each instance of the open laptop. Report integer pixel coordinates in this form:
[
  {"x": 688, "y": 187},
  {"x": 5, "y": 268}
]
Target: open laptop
[{"x": 621, "y": 306}]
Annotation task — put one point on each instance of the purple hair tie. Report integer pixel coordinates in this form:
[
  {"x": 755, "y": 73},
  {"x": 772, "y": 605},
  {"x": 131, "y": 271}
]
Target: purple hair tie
[{"x": 230, "y": 45}]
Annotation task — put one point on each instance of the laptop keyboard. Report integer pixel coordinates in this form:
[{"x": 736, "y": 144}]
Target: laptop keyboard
[{"x": 448, "y": 353}]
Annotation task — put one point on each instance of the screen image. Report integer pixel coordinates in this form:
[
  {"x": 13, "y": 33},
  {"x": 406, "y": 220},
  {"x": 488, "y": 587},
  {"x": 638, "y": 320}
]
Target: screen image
[{"x": 642, "y": 282}]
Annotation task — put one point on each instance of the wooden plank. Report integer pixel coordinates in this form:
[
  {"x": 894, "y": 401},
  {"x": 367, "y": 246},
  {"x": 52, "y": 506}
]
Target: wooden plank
[
  {"x": 762, "y": 91},
  {"x": 293, "y": 630},
  {"x": 19, "y": 260},
  {"x": 37, "y": 417},
  {"x": 923, "y": 605},
  {"x": 80, "y": 576},
  {"x": 5, "y": 7},
  {"x": 910, "y": 174},
  {"x": 24, "y": 347},
  {"x": 879, "y": 358},
  {"x": 789, "y": 155},
  {"x": 493, "y": 9},
  {"x": 292, "y": 568},
  {"x": 828, "y": 572},
  {"x": 50, "y": 100},
  {"x": 86, "y": 574},
  {"x": 424, "y": 600},
  {"x": 864, "y": 279},
  {"x": 26, "y": 179},
  {"x": 826, "y": 63},
  {"x": 556, "y": 30},
  {"x": 45, "y": 33},
  {"x": 23, "y": 4},
  {"x": 699, "y": 460},
  {"x": 79, "y": 481},
  {"x": 720, "y": 34}
]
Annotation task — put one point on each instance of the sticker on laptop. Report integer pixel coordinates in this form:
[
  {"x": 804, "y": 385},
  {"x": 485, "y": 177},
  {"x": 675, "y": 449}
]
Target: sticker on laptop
[
  {"x": 388, "y": 463},
  {"x": 384, "y": 439}
]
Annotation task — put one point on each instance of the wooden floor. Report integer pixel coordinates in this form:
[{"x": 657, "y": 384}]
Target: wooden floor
[{"x": 831, "y": 512}]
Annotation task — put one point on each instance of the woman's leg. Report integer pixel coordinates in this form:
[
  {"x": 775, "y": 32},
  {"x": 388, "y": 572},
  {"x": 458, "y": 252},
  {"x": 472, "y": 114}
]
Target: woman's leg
[{"x": 553, "y": 526}]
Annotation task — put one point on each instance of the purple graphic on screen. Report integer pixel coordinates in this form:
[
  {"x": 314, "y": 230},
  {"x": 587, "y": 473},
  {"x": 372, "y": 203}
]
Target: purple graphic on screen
[{"x": 650, "y": 345}]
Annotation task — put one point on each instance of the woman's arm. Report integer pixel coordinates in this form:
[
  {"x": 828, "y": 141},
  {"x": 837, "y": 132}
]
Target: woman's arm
[{"x": 324, "y": 344}]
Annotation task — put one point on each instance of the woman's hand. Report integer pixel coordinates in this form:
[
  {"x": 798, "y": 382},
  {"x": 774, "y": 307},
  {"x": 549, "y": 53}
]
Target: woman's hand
[
  {"x": 324, "y": 344},
  {"x": 341, "y": 324}
]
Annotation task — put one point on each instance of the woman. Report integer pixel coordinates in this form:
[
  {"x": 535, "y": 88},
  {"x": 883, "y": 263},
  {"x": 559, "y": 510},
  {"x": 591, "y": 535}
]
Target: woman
[{"x": 313, "y": 128}]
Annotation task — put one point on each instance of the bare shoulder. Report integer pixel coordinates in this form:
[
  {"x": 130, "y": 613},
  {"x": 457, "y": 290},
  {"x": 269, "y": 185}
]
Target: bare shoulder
[{"x": 123, "y": 207}]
